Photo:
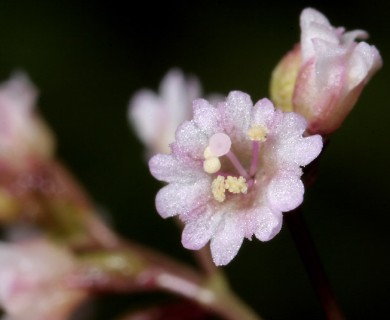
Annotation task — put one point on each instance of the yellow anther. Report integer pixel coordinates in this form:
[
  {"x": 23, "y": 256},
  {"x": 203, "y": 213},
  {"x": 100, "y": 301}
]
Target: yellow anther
[
  {"x": 207, "y": 153},
  {"x": 236, "y": 185},
  {"x": 218, "y": 188},
  {"x": 211, "y": 165},
  {"x": 257, "y": 133}
]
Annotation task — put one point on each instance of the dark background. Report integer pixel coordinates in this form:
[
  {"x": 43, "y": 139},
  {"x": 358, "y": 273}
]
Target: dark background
[{"x": 88, "y": 57}]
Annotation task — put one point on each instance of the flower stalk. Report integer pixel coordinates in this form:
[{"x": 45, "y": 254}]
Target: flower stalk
[
  {"x": 124, "y": 266},
  {"x": 312, "y": 262},
  {"x": 307, "y": 250},
  {"x": 133, "y": 268}
]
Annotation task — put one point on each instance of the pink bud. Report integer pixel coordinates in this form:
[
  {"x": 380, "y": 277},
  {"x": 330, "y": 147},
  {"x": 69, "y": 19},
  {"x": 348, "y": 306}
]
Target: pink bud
[{"x": 323, "y": 76}]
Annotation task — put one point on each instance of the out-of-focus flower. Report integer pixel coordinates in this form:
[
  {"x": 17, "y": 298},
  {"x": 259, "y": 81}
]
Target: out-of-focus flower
[
  {"x": 23, "y": 134},
  {"x": 155, "y": 117},
  {"x": 233, "y": 170},
  {"x": 32, "y": 284},
  {"x": 26, "y": 143},
  {"x": 323, "y": 76},
  {"x": 34, "y": 188}
]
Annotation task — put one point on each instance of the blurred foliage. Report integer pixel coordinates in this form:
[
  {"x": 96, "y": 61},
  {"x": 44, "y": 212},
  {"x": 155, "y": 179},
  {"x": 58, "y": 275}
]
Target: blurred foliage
[{"x": 88, "y": 57}]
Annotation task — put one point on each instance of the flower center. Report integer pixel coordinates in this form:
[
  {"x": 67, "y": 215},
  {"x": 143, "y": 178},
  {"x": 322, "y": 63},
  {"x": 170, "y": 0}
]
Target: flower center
[{"x": 241, "y": 181}]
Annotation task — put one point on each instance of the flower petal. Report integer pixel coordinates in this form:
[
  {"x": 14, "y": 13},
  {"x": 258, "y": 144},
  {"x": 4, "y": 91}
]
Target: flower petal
[
  {"x": 263, "y": 113},
  {"x": 206, "y": 117},
  {"x": 286, "y": 147},
  {"x": 285, "y": 192},
  {"x": 190, "y": 140},
  {"x": 236, "y": 113},
  {"x": 198, "y": 232},
  {"x": 314, "y": 25},
  {"x": 268, "y": 224},
  {"x": 290, "y": 125},
  {"x": 289, "y": 147},
  {"x": 177, "y": 94},
  {"x": 168, "y": 168},
  {"x": 227, "y": 240},
  {"x": 365, "y": 60},
  {"x": 145, "y": 114},
  {"x": 350, "y": 36},
  {"x": 307, "y": 149},
  {"x": 175, "y": 199}
]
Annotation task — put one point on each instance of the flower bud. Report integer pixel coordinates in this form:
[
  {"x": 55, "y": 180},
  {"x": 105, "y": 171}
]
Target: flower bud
[
  {"x": 283, "y": 79},
  {"x": 323, "y": 76}
]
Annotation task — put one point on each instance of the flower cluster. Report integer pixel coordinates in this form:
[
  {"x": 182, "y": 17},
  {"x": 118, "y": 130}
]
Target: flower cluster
[{"x": 233, "y": 170}]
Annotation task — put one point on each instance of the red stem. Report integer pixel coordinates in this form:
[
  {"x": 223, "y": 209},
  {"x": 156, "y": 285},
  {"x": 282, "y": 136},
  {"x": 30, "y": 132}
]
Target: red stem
[{"x": 312, "y": 262}]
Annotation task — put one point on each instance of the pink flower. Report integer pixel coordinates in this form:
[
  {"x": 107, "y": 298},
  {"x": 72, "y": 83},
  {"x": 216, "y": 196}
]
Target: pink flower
[
  {"x": 324, "y": 75},
  {"x": 156, "y": 117},
  {"x": 32, "y": 284},
  {"x": 233, "y": 170},
  {"x": 23, "y": 134}
]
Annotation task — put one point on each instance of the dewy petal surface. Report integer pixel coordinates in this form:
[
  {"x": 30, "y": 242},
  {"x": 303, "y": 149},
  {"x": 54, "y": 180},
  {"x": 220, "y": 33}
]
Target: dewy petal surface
[
  {"x": 263, "y": 113},
  {"x": 236, "y": 113},
  {"x": 292, "y": 148},
  {"x": 227, "y": 240},
  {"x": 364, "y": 62},
  {"x": 191, "y": 140},
  {"x": 175, "y": 199},
  {"x": 199, "y": 231},
  {"x": 256, "y": 180},
  {"x": 206, "y": 117},
  {"x": 170, "y": 168},
  {"x": 285, "y": 192},
  {"x": 268, "y": 224},
  {"x": 314, "y": 25}
]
